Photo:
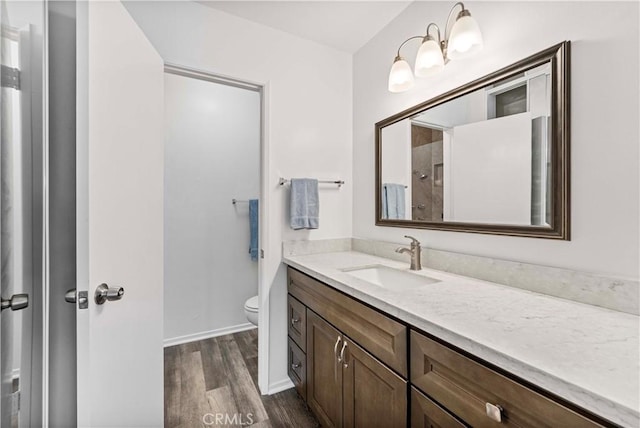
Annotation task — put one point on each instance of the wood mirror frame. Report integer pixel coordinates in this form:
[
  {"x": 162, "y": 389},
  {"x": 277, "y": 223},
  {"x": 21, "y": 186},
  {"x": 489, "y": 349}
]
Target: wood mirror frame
[{"x": 558, "y": 56}]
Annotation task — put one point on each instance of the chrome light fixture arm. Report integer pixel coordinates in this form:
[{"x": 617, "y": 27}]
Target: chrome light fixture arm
[
  {"x": 441, "y": 42},
  {"x": 401, "y": 76},
  {"x": 433, "y": 24},
  {"x": 447, "y": 28},
  {"x": 398, "y": 57}
]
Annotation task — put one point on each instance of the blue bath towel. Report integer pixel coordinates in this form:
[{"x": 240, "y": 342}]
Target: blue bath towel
[
  {"x": 305, "y": 206},
  {"x": 253, "y": 226},
  {"x": 393, "y": 201}
]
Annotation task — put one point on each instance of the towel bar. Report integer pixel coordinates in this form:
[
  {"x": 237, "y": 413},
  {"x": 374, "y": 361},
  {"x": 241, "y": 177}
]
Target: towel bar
[
  {"x": 235, "y": 201},
  {"x": 284, "y": 181}
]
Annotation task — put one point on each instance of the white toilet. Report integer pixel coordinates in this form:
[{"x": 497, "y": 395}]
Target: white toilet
[{"x": 251, "y": 309}]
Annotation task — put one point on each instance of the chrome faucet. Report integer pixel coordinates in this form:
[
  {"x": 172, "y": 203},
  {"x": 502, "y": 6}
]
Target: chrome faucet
[{"x": 415, "y": 252}]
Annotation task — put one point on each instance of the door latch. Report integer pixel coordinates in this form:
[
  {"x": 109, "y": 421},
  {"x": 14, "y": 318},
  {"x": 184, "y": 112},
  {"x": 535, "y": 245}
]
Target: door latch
[{"x": 82, "y": 297}]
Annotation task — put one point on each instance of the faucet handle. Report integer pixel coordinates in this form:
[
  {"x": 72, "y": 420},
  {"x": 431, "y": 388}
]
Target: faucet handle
[{"x": 414, "y": 241}]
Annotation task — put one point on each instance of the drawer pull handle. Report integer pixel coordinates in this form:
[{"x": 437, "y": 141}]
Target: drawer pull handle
[
  {"x": 494, "y": 412},
  {"x": 335, "y": 347},
  {"x": 341, "y": 357},
  {"x": 296, "y": 366},
  {"x": 294, "y": 321},
  {"x": 335, "y": 354}
]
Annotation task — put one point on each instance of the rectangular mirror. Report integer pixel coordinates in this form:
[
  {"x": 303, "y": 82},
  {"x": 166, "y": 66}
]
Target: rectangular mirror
[{"x": 489, "y": 157}]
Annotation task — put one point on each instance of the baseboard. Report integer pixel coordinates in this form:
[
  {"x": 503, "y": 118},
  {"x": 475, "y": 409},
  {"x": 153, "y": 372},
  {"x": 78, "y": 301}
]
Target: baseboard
[
  {"x": 280, "y": 386},
  {"x": 207, "y": 334}
]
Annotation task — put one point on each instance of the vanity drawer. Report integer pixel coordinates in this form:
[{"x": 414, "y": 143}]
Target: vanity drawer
[
  {"x": 297, "y": 322},
  {"x": 465, "y": 388},
  {"x": 298, "y": 368},
  {"x": 427, "y": 414},
  {"x": 381, "y": 336}
]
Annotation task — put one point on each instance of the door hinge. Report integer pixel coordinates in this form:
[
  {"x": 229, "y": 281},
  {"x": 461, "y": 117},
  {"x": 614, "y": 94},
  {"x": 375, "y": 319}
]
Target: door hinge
[
  {"x": 261, "y": 253},
  {"x": 10, "y": 77}
]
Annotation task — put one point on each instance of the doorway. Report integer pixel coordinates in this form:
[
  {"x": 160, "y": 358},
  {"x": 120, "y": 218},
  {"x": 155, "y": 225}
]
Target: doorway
[{"x": 211, "y": 204}]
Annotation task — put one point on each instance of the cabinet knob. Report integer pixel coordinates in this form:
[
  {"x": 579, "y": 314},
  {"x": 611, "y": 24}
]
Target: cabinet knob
[
  {"x": 294, "y": 321},
  {"x": 296, "y": 366},
  {"x": 494, "y": 412}
]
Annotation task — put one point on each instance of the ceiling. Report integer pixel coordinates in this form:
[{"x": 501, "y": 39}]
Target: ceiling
[{"x": 343, "y": 25}]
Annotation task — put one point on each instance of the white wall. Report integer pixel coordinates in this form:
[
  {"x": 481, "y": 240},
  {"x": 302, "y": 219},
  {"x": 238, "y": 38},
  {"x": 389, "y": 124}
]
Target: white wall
[
  {"x": 604, "y": 123},
  {"x": 212, "y": 154},
  {"x": 459, "y": 111},
  {"x": 308, "y": 129}
]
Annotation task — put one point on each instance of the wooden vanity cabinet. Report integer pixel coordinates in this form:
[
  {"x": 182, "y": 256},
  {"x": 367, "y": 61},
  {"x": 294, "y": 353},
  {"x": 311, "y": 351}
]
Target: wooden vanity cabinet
[
  {"x": 470, "y": 390},
  {"x": 382, "y": 336},
  {"x": 297, "y": 322},
  {"x": 357, "y": 372},
  {"x": 324, "y": 380},
  {"x": 372, "y": 394},
  {"x": 297, "y": 360},
  {"x": 347, "y": 385},
  {"x": 425, "y": 413}
]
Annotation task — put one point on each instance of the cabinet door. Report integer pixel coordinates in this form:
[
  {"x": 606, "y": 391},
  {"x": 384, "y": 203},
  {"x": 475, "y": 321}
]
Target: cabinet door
[
  {"x": 373, "y": 395},
  {"x": 324, "y": 376}
]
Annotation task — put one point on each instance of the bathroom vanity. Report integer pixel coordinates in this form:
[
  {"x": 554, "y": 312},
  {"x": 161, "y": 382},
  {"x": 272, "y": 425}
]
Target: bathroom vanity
[
  {"x": 353, "y": 355},
  {"x": 367, "y": 348}
]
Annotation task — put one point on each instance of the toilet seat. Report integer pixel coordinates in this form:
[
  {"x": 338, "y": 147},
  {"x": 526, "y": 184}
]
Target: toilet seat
[{"x": 252, "y": 304}]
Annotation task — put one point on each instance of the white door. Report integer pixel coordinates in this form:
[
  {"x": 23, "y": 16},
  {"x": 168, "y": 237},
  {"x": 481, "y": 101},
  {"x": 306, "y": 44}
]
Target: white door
[{"x": 120, "y": 122}]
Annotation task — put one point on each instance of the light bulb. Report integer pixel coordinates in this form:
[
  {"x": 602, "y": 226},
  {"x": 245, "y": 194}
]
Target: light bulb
[
  {"x": 429, "y": 59},
  {"x": 465, "y": 38},
  {"x": 400, "y": 76}
]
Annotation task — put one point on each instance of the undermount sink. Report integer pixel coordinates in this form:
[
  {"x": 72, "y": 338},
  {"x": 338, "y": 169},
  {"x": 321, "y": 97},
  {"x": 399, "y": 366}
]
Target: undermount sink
[{"x": 390, "y": 278}]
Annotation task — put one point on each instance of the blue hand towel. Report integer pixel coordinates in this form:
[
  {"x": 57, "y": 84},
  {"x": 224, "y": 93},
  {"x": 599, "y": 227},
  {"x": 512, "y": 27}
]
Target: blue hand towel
[
  {"x": 305, "y": 206},
  {"x": 253, "y": 226},
  {"x": 393, "y": 201}
]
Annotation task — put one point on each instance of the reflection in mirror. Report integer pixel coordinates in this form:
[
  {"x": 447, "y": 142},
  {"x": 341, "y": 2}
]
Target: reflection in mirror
[
  {"x": 480, "y": 158},
  {"x": 484, "y": 156}
]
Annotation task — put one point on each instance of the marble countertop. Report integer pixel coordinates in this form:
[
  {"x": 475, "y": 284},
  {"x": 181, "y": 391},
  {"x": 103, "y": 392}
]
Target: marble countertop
[{"x": 588, "y": 355}]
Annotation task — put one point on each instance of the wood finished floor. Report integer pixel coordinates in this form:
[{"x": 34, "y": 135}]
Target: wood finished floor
[{"x": 219, "y": 376}]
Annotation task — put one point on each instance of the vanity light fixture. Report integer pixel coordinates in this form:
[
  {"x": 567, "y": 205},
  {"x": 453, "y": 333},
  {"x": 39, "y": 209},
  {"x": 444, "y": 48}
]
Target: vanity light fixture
[{"x": 463, "y": 40}]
